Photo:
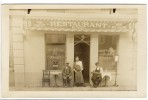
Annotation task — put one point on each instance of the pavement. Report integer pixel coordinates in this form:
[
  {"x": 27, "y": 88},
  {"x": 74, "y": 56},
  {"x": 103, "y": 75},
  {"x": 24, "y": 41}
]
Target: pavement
[{"x": 74, "y": 88}]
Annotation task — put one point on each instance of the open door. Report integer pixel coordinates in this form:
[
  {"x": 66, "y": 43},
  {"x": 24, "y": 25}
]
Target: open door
[{"x": 82, "y": 50}]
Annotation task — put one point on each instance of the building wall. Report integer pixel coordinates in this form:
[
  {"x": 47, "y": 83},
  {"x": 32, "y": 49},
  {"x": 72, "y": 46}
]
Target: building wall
[
  {"x": 34, "y": 46},
  {"x": 11, "y": 66},
  {"x": 16, "y": 51},
  {"x": 29, "y": 56},
  {"x": 70, "y": 52},
  {"x": 126, "y": 67},
  {"x": 93, "y": 53},
  {"x": 34, "y": 49},
  {"x": 34, "y": 57}
]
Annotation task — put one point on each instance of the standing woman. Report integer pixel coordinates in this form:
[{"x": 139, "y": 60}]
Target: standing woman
[{"x": 78, "y": 67}]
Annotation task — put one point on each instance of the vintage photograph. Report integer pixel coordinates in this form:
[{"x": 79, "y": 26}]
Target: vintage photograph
[{"x": 73, "y": 48}]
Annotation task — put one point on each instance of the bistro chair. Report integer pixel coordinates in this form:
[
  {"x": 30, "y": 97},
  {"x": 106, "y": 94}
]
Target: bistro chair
[{"x": 46, "y": 77}]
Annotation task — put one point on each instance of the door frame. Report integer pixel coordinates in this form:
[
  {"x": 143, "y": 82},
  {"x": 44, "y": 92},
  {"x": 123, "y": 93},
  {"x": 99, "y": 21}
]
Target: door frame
[{"x": 89, "y": 72}]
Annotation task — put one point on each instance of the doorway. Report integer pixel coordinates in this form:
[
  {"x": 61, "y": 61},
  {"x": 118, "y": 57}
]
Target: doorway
[{"x": 82, "y": 50}]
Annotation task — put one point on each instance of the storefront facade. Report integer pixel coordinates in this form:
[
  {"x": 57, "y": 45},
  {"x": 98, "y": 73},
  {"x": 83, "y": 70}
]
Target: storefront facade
[{"x": 47, "y": 40}]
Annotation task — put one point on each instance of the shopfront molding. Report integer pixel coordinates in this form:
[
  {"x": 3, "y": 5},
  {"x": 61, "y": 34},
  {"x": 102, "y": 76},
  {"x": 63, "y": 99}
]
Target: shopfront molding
[{"x": 80, "y": 22}]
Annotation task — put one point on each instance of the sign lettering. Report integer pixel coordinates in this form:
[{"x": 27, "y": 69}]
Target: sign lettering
[{"x": 79, "y": 25}]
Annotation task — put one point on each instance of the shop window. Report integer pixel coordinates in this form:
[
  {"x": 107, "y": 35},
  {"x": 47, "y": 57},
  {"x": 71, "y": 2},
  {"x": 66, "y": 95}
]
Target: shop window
[
  {"x": 107, "y": 51},
  {"x": 55, "y": 51}
]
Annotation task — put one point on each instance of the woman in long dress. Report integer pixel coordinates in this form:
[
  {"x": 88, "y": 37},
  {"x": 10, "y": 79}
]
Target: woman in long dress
[{"x": 78, "y": 67}]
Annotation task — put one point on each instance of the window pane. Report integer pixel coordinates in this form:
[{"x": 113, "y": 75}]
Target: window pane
[
  {"x": 107, "y": 51},
  {"x": 55, "y": 51}
]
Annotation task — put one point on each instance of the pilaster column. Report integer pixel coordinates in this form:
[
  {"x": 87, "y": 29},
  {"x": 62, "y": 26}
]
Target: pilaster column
[
  {"x": 70, "y": 51},
  {"x": 16, "y": 28},
  {"x": 93, "y": 53}
]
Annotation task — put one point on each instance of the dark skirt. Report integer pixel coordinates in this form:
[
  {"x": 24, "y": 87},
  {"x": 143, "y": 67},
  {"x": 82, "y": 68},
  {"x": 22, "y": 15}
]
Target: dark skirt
[{"x": 79, "y": 77}]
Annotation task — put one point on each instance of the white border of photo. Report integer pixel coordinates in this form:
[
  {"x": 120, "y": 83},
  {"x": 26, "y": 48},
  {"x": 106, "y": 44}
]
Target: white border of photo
[{"x": 141, "y": 64}]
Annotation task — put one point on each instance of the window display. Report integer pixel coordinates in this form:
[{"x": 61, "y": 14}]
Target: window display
[
  {"x": 55, "y": 51},
  {"x": 107, "y": 50}
]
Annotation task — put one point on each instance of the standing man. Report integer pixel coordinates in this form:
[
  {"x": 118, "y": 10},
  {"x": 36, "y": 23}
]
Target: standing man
[
  {"x": 67, "y": 75},
  {"x": 78, "y": 67},
  {"x": 97, "y": 75}
]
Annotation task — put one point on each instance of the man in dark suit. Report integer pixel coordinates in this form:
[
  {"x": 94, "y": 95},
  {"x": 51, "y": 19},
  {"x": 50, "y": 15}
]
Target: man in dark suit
[{"x": 67, "y": 75}]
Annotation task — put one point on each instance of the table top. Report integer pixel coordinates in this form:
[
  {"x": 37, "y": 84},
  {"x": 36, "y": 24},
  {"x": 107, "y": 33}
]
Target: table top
[{"x": 55, "y": 72}]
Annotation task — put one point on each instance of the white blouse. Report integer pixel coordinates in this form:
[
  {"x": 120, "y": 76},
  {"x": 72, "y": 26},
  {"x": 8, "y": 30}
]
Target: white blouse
[{"x": 80, "y": 64}]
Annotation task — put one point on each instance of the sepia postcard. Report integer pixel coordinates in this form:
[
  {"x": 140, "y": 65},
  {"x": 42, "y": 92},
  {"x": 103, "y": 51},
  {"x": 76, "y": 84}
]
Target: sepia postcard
[{"x": 73, "y": 51}]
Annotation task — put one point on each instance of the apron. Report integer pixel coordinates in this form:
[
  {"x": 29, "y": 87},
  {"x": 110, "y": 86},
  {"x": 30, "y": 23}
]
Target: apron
[
  {"x": 78, "y": 74},
  {"x": 96, "y": 74}
]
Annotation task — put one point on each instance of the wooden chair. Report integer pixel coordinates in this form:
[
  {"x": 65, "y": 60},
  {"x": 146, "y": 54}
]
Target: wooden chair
[{"x": 46, "y": 77}]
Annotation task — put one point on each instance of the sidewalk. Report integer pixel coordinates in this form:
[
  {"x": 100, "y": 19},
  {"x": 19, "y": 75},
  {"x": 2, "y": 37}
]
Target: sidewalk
[{"x": 87, "y": 88}]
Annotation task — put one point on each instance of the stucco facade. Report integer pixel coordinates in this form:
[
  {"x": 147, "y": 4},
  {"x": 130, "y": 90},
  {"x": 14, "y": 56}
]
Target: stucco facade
[{"x": 28, "y": 47}]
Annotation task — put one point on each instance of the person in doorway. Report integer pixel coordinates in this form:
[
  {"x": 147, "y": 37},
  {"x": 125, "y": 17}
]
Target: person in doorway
[
  {"x": 97, "y": 75},
  {"x": 67, "y": 75},
  {"x": 78, "y": 68}
]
